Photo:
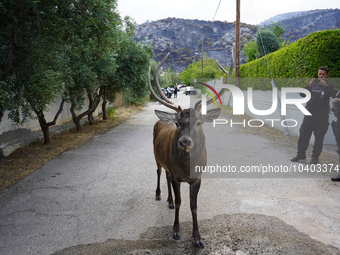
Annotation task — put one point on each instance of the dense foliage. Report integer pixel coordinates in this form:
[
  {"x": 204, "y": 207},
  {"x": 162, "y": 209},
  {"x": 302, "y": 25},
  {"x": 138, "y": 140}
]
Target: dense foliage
[
  {"x": 250, "y": 50},
  {"x": 74, "y": 50},
  {"x": 298, "y": 60},
  {"x": 194, "y": 70},
  {"x": 267, "y": 41}
]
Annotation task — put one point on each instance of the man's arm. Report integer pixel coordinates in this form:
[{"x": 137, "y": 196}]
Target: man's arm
[
  {"x": 331, "y": 89},
  {"x": 308, "y": 87}
]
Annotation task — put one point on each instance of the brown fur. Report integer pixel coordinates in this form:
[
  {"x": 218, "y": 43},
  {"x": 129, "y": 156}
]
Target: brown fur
[
  {"x": 179, "y": 141},
  {"x": 175, "y": 147}
]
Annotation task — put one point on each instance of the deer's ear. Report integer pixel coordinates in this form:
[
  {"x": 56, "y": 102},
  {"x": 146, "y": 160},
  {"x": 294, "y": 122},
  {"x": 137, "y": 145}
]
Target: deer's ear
[
  {"x": 166, "y": 116},
  {"x": 211, "y": 115}
]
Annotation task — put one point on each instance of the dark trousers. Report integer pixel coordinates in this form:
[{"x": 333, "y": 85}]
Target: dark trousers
[
  {"x": 336, "y": 131},
  {"x": 316, "y": 123}
]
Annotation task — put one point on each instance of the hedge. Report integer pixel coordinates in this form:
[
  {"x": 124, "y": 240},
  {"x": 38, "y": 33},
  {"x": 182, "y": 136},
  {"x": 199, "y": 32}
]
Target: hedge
[{"x": 301, "y": 59}]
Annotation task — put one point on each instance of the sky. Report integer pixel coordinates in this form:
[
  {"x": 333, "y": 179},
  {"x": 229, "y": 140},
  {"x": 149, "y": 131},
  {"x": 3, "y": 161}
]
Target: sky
[{"x": 252, "y": 11}]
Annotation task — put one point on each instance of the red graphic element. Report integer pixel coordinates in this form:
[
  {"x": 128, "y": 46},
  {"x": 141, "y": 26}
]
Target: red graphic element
[{"x": 213, "y": 90}]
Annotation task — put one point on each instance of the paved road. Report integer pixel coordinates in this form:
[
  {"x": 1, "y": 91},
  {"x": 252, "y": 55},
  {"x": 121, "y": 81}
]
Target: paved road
[{"x": 105, "y": 190}]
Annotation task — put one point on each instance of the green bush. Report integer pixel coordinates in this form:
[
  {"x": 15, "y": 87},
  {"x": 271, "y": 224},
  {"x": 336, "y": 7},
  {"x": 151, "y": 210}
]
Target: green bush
[
  {"x": 266, "y": 42},
  {"x": 298, "y": 60},
  {"x": 250, "y": 50},
  {"x": 111, "y": 111}
]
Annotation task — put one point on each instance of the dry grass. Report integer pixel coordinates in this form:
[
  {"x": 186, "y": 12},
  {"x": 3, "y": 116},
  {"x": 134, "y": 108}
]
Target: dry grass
[{"x": 26, "y": 160}]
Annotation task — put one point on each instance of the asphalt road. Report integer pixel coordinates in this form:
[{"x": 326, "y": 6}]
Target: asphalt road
[{"x": 106, "y": 190}]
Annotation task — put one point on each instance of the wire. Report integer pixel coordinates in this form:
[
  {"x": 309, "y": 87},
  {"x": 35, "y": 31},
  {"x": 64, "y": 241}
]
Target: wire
[
  {"x": 218, "y": 6},
  {"x": 216, "y": 10},
  {"x": 271, "y": 75},
  {"x": 264, "y": 50}
]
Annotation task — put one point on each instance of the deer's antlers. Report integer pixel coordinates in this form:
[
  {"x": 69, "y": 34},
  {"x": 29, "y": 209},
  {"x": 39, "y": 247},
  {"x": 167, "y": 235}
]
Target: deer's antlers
[{"x": 163, "y": 100}]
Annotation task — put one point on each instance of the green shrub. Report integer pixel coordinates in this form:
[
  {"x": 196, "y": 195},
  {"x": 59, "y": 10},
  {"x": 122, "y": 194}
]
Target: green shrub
[
  {"x": 298, "y": 60},
  {"x": 266, "y": 42},
  {"x": 250, "y": 50},
  {"x": 111, "y": 111}
]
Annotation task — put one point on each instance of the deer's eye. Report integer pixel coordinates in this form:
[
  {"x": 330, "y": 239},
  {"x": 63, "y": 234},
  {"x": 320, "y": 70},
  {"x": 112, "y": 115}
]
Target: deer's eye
[
  {"x": 177, "y": 125},
  {"x": 198, "y": 123}
]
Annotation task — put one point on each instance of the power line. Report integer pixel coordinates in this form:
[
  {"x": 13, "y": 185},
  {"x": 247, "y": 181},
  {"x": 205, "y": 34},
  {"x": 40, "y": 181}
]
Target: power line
[
  {"x": 264, "y": 50},
  {"x": 271, "y": 75},
  {"x": 218, "y": 6},
  {"x": 216, "y": 10},
  {"x": 205, "y": 33}
]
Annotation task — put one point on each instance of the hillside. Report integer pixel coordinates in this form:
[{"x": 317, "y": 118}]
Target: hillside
[
  {"x": 306, "y": 23},
  {"x": 183, "y": 37},
  {"x": 278, "y": 18}
]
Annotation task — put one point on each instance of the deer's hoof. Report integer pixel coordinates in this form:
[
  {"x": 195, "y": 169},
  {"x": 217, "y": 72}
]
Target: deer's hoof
[
  {"x": 199, "y": 244},
  {"x": 177, "y": 236},
  {"x": 158, "y": 198},
  {"x": 171, "y": 206}
]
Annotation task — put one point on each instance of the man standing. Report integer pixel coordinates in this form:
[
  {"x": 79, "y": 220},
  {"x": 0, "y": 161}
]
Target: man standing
[
  {"x": 175, "y": 91},
  {"x": 317, "y": 123},
  {"x": 336, "y": 130}
]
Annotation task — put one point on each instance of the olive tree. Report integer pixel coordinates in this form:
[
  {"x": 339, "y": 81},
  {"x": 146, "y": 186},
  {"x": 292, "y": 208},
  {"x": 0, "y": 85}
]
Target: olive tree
[
  {"x": 31, "y": 65},
  {"x": 133, "y": 61},
  {"x": 92, "y": 41}
]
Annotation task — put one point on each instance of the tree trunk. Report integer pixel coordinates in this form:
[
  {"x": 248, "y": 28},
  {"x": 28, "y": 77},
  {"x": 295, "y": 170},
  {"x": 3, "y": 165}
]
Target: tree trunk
[
  {"x": 89, "y": 115},
  {"x": 94, "y": 102},
  {"x": 76, "y": 120},
  {"x": 104, "y": 111},
  {"x": 45, "y": 129},
  {"x": 2, "y": 112},
  {"x": 45, "y": 126},
  {"x": 91, "y": 119}
]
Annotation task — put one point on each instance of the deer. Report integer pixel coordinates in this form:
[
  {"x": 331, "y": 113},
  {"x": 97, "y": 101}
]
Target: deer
[{"x": 178, "y": 143}]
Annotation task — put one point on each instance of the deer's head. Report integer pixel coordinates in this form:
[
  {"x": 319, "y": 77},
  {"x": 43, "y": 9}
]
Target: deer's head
[{"x": 188, "y": 121}]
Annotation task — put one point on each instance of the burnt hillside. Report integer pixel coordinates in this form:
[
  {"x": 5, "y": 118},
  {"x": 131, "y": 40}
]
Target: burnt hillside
[{"x": 183, "y": 37}]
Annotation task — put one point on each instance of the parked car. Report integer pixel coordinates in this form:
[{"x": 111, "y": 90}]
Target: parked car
[
  {"x": 190, "y": 90},
  {"x": 179, "y": 86}
]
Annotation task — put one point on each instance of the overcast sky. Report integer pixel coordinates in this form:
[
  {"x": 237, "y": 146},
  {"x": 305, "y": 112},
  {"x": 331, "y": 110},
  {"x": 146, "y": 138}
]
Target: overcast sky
[{"x": 252, "y": 11}]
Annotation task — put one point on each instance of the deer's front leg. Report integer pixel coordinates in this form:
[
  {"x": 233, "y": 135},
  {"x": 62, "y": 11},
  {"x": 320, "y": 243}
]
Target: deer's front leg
[
  {"x": 177, "y": 190},
  {"x": 194, "y": 188}
]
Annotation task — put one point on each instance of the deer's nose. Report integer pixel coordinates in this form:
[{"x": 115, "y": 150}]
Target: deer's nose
[{"x": 185, "y": 143}]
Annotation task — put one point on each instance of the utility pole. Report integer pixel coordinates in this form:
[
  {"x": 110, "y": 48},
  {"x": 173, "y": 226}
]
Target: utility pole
[
  {"x": 202, "y": 57},
  {"x": 237, "y": 44}
]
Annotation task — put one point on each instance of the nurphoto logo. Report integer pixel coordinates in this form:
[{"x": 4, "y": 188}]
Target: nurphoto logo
[{"x": 238, "y": 100}]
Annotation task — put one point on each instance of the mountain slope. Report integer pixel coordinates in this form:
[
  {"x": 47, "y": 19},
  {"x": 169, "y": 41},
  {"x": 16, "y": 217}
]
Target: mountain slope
[
  {"x": 306, "y": 23},
  {"x": 183, "y": 38},
  {"x": 279, "y": 17}
]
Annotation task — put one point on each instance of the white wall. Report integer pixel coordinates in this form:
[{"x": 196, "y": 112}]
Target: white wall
[
  {"x": 33, "y": 124},
  {"x": 13, "y": 137}
]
